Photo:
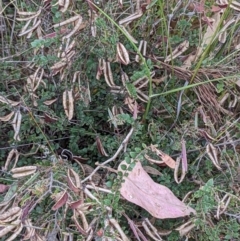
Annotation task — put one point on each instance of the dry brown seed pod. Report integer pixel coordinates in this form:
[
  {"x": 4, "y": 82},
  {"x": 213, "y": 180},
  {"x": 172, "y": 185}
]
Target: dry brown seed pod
[
  {"x": 65, "y": 6},
  {"x": 181, "y": 48},
  {"x": 12, "y": 153},
  {"x": 35, "y": 15},
  {"x": 68, "y": 103},
  {"x": 10, "y": 212},
  {"x": 122, "y": 54},
  {"x": 49, "y": 102},
  {"x": 70, "y": 20},
  {"x": 15, "y": 233},
  {"x": 30, "y": 29},
  {"x": 212, "y": 153},
  {"x": 76, "y": 28},
  {"x": 9, "y": 228},
  {"x": 26, "y": 13},
  {"x": 23, "y": 169},
  {"x": 73, "y": 180},
  {"x": 109, "y": 73},
  {"x": 7, "y": 117},
  {"x": 7, "y": 101},
  {"x": 12, "y": 217},
  {"x": 100, "y": 147},
  {"x": 61, "y": 201}
]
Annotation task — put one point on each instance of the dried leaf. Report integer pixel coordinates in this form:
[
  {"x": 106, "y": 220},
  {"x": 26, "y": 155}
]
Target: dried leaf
[{"x": 157, "y": 199}]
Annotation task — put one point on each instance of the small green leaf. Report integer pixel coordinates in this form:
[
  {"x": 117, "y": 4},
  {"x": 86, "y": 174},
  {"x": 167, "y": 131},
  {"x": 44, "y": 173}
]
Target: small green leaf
[
  {"x": 133, "y": 154},
  {"x": 124, "y": 167},
  {"x": 109, "y": 184},
  {"x": 128, "y": 160}
]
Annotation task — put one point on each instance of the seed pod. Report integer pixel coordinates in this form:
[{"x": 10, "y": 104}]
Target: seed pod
[
  {"x": 7, "y": 117},
  {"x": 70, "y": 20},
  {"x": 16, "y": 233},
  {"x": 212, "y": 153},
  {"x": 30, "y": 231},
  {"x": 32, "y": 16},
  {"x": 16, "y": 123},
  {"x": 100, "y": 147},
  {"x": 108, "y": 73},
  {"x": 9, "y": 228},
  {"x": 9, "y": 213},
  {"x": 23, "y": 171},
  {"x": 12, "y": 217},
  {"x": 122, "y": 54},
  {"x": 176, "y": 171},
  {"x": 73, "y": 180},
  {"x": 49, "y": 102},
  {"x": 30, "y": 29},
  {"x": 65, "y": 6},
  {"x": 75, "y": 29},
  {"x": 68, "y": 103},
  {"x": 10, "y": 158},
  {"x": 26, "y": 13},
  {"x": 61, "y": 201},
  {"x": 7, "y": 101}
]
